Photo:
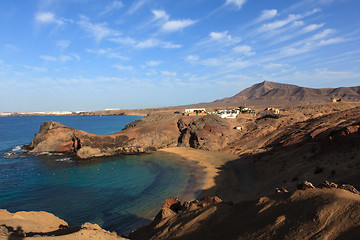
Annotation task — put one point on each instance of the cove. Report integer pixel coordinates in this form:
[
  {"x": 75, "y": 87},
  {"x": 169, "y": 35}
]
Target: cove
[{"x": 119, "y": 193}]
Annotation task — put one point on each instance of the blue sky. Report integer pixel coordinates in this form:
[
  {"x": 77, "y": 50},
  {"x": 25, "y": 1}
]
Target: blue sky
[{"x": 90, "y": 55}]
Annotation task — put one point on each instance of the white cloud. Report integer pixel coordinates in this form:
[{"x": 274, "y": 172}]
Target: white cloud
[
  {"x": 312, "y": 27},
  {"x": 136, "y": 6},
  {"x": 153, "y": 63},
  {"x": 168, "y": 74},
  {"x": 160, "y": 14},
  {"x": 114, "y": 5},
  {"x": 273, "y": 65},
  {"x": 332, "y": 41},
  {"x": 61, "y": 58},
  {"x": 192, "y": 58},
  {"x": 97, "y": 30},
  {"x": 107, "y": 52},
  {"x": 322, "y": 34},
  {"x": 48, "y": 58},
  {"x": 48, "y": 18},
  {"x": 177, "y": 25},
  {"x": 219, "y": 35},
  {"x": 125, "y": 41},
  {"x": 63, "y": 44},
  {"x": 280, "y": 23},
  {"x": 170, "y": 45},
  {"x": 36, "y": 69},
  {"x": 224, "y": 37},
  {"x": 244, "y": 49},
  {"x": 147, "y": 43},
  {"x": 212, "y": 62},
  {"x": 266, "y": 15},
  {"x": 237, "y": 3},
  {"x": 123, "y": 68}
]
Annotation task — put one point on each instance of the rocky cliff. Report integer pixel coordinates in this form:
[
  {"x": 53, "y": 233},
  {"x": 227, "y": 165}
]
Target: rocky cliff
[{"x": 150, "y": 133}]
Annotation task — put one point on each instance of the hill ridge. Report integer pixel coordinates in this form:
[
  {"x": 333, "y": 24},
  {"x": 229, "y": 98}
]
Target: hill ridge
[{"x": 274, "y": 93}]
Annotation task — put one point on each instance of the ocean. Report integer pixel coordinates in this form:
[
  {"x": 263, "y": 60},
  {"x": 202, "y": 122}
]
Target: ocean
[{"x": 119, "y": 193}]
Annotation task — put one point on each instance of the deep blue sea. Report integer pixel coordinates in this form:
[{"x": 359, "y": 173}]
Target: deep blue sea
[{"x": 118, "y": 193}]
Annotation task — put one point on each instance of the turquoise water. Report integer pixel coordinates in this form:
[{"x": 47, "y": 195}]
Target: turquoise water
[{"x": 117, "y": 193}]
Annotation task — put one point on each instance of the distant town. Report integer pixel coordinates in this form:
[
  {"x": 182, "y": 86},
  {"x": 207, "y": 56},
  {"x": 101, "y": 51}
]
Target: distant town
[{"x": 8, "y": 114}]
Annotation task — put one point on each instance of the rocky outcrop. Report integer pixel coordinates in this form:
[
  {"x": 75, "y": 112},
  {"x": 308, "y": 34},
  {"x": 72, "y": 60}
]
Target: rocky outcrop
[
  {"x": 208, "y": 133},
  {"x": 44, "y": 225},
  {"x": 55, "y": 137},
  {"x": 150, "y": 133},
  {"x": 311, "y": 213}
]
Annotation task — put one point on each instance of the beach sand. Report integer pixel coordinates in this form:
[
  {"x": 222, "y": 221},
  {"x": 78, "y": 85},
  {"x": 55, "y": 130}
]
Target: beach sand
[{"x": 234, "y": 184}]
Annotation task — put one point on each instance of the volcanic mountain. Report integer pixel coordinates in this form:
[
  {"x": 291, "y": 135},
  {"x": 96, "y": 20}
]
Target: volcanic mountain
[{"x": 286, "y": 94}]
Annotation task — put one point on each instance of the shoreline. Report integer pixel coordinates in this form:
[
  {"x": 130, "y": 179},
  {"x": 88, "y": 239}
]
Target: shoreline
[{"x": 209, "y": 162}]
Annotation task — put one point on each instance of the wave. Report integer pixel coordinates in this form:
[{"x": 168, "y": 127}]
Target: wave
[
  {"x": 66, "y": 159},
  {"x": 49, "y": 154},
  {"x": 17, "y": 149}
]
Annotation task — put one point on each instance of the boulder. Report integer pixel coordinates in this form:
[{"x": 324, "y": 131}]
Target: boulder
[
  {"x": 327, "y": 184},
  {"x": 305, "y": 185},
  {"x": 349, "y": 188},
  {"x": 281, "y": 190}
]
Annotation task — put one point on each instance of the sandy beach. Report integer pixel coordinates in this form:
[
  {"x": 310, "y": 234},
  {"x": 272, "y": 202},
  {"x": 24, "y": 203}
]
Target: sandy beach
[
  {"x": 211, "y": 161},
  {"x": 234, "y": 184}
]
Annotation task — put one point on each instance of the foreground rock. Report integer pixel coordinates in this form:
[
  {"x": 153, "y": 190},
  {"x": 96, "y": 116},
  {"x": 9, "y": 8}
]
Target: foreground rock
[
  {"x": 43, "y": 225},
  {"x": 312, "y": 213}
]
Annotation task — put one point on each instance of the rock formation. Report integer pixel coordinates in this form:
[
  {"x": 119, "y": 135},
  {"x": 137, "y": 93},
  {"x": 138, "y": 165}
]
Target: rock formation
[
  {"x": 43, "y": 225},
  {"x": 150, "y": 133},
  {"x": 311, "y": 213}
]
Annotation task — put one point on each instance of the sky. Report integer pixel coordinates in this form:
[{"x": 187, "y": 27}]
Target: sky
[{"x": 71, "y": 55}]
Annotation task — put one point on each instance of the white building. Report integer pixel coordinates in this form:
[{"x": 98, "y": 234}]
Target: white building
[{"x": 191, "y": 110}]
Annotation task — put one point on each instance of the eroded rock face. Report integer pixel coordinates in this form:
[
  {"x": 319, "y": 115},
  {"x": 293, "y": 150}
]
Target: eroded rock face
[
  {"x": 55, "y": 137},
  {"x": 208, "y": 133}
]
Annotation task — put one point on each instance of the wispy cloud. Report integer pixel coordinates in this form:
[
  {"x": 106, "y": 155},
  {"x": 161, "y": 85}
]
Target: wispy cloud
[
  {"x": 224, "y": 37},
  {"x": 237, "y": 3},
  {"x": 332, "y": 41},
  {"x": 147, "y": 43},
  {"x": 279, "y": 23},
  {"x": 168, "y": 73},
  {"x": 136, "y": 6},
  {"x": 61, "y": 58},
  {"x": 153, "y": 63},
  {"x": 63, "y": 44},
  {"x": 123, "y": 67},
  {"x": 36, "y": 69},
  {"x": 97, "y": 30},
  {"x": 304, "y": 30},
  {"x": 192, "y": 58},
  {"x": 107, "y": 52},
  {"x": 291, "y": 19},
  {"x": 168, "y": 25},
  {"x": 112, "y": 6},
  {"x": 48, "y": 18},
  {"x": 177, "y": 25},
  {"x": 266, "y": 15},
  {"x": 244, "y": 49},
  {"x": 160, "y": 14}
]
